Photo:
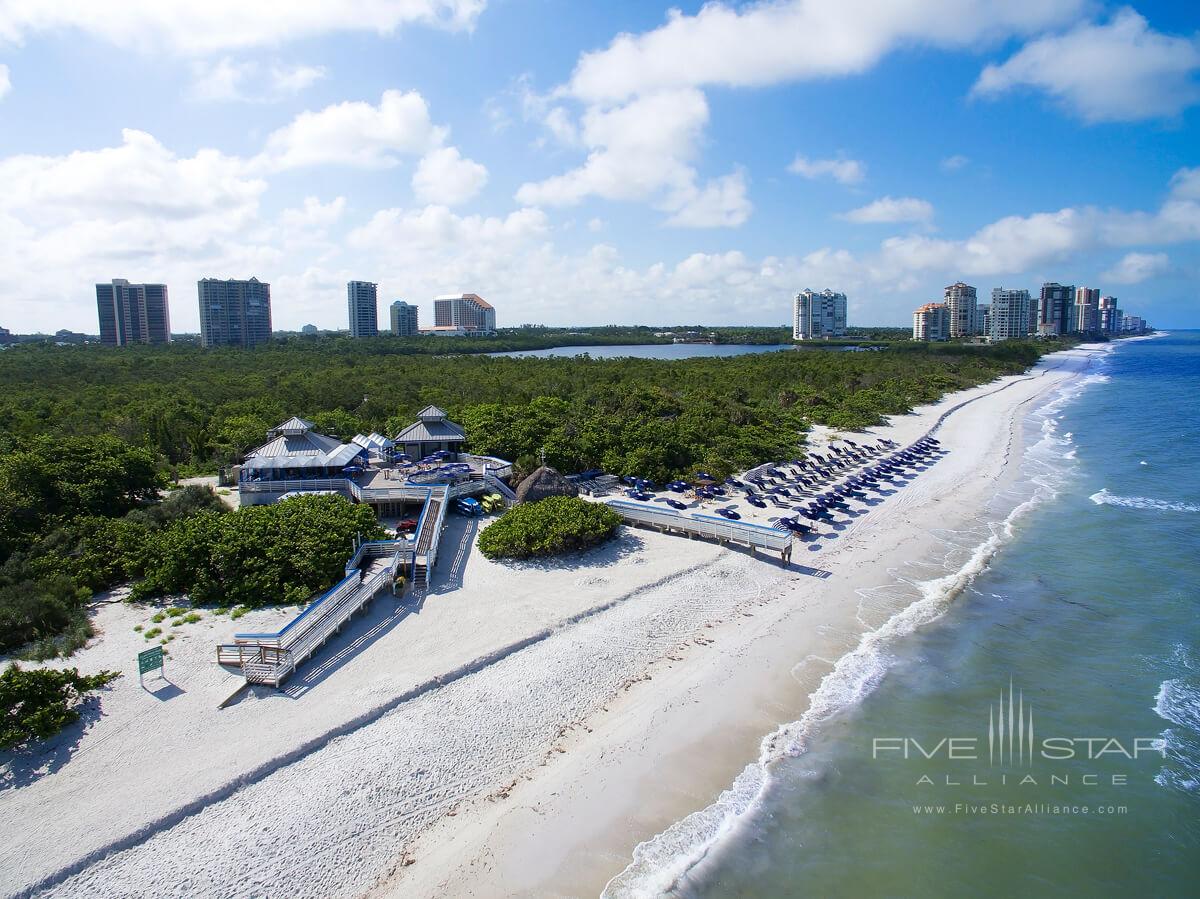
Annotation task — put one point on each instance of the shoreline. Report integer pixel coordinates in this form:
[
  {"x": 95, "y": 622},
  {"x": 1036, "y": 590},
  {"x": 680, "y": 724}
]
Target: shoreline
[
  {"x": 643, "y": 713},
  {"x": 647, "y": 770}
]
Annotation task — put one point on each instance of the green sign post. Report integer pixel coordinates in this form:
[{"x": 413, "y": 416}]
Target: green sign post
[{"x": 149, "y": 660}]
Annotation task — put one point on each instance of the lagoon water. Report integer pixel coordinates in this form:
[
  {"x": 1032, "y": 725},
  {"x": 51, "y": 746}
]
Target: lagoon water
[
  {"x": 653, "y": 350},
  {"x": 1089, "y": 612}
]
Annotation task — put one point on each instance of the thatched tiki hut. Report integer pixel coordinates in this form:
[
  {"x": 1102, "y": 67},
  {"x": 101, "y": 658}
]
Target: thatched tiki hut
[{"x": 544, "y": 482}]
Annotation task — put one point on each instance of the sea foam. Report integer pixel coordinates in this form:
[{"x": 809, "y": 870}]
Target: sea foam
[{"x": 1104, "y": 498}]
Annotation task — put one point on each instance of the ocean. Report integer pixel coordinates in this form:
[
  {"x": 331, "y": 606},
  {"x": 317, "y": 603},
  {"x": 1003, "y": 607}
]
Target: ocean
[{"x": 1031, "y": 723}]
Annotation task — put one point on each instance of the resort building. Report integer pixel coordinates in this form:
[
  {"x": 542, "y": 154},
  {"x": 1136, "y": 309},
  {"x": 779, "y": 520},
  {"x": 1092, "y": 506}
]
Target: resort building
[
  {"x": 465, "y": 313},
  {"x": 404, "y": 319},
  {"x": 1110, "y": 316},
  {"x": 1009, "y": 317},
  {"x": 373, "y": 469},
  {"x": 234, "y": 313},
  {"x": 816, "y": 316},
  {"x": 960, "y": 302},
  {"x": 1087, "y": 310},
  {"x": 1056, "y": 310},
  {"x": 432, "y": 432},
  {"x": 931, "y": 322},
  {"x": 296, "y": 452},
  {"x": 362, "y": 302},
  {"x": 133, "y": 313}
]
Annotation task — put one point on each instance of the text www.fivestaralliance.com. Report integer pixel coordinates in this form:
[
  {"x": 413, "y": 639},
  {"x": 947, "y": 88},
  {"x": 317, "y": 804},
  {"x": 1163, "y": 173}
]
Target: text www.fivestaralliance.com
[{"x": 1029, "y": 808}]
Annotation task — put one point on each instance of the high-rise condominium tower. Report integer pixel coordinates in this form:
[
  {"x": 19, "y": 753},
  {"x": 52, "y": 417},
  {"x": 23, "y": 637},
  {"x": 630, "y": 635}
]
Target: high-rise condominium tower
[
  {"x": 404, "y": 319},
  {"x": 1009, "y": 316},
  {"x": 1087, "y": 310},
  {"x": 1110, "y": 316},
  {"x": 1056, "y": 309},
  {"x": 960, "y": 303},
  {"x": 463, "y": 311},
  {"x": 362, "y": 302},
  {"x": 133, "y": 313},
  {"x": 818, "y": 315},
  {"x": 931, "y": 322},
  {"x": 234, "y": 313}
]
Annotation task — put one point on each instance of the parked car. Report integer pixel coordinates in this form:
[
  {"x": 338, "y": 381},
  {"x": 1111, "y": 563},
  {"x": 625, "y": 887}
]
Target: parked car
[
  {"x": 405, "y": 525},
  {"x": 468, "y": 506}
]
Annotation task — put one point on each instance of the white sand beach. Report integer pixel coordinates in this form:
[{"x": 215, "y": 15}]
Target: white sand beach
[{"x": 517, "y": 731}]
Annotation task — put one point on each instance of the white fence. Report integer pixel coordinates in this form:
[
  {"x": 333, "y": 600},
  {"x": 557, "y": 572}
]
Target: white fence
[{"x": 709, "y": 526}]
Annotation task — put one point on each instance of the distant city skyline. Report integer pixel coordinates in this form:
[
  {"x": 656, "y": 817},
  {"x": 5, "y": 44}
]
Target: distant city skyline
[{"x": 587, "y": 164}]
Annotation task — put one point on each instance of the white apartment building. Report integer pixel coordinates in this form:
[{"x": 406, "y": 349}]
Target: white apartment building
[
  {"x": 1009, "y": 317},
  {"x": 961, "y": 300},
  {"x": 464, "y": 312},
  {"x": 818, "y": 315},
  {"x": 362, "y": 298},
  {"x": 931, "y": 322}
]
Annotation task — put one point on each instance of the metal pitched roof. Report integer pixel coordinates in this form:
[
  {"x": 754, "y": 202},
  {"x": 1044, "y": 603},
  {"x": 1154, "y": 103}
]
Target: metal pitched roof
[{"x": 424, "y": 431}]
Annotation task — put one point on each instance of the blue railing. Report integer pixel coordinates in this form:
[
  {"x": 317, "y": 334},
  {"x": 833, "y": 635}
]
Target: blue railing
[{"x": 356, "y": 577}]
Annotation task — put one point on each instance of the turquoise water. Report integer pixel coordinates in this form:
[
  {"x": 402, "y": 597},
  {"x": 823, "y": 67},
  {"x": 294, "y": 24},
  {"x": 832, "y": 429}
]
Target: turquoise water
[
  {"x": 1089, "y": 618},
  {"x": 653, "y": 350}
]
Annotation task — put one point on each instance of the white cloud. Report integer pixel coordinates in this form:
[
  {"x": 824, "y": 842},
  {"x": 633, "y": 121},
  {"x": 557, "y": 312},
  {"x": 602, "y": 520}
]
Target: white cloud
[
  {"x": 445, "y": 177},
  {"x": 643, "y": 150},
  {"x": 1134, "y": 268},
  {"x": 954, "y": 163},
  {"x": 216, "y": 25},
  {"x": 891, "y": 209},
  {"x": 355, "y": 133},
  {"x": 1122, "y": 71},
  {"x": 140, "y": 178},
  {"x": 313, "y": 214},
  {"x": 287, "y": 80},
  {"x": 721, "y": 203},
  {"x": 5, "y": 81},
  {"x": 844, "y": 171},
  {"x": 772, "y": 42},
  {"x": 1019, "y": 244},
  {"x": 436, "y": 228}
]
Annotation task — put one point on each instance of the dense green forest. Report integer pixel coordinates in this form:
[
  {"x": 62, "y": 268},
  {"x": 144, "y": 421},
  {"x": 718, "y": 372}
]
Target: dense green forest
[
  {"x": 89, "y": 437},
  {"x": 199, "y": 409}
]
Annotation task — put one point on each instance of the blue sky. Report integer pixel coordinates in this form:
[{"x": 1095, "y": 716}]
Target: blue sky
[{"x": 597, "y": 163}]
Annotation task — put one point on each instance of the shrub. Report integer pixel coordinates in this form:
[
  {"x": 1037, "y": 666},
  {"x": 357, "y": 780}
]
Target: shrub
[
  {"x": 557, "y": 524},
  {"x": 36, "y": 610},
  {"x": 38, "y": 703},
  {"x": 152, "y": 633},
  {"x": 256, "y": 556}
]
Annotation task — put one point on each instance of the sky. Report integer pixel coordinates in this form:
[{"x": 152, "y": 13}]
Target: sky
[{"x": 597, "y": 163}]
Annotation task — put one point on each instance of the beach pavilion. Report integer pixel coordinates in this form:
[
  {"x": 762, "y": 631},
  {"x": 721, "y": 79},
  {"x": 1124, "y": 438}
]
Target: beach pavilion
[
  {"x": 430, "y": 433},
  {"x": 297, "y": 452}
]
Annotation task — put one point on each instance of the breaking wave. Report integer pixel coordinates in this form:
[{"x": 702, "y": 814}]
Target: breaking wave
[{"x": 1104, "y": 498}]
